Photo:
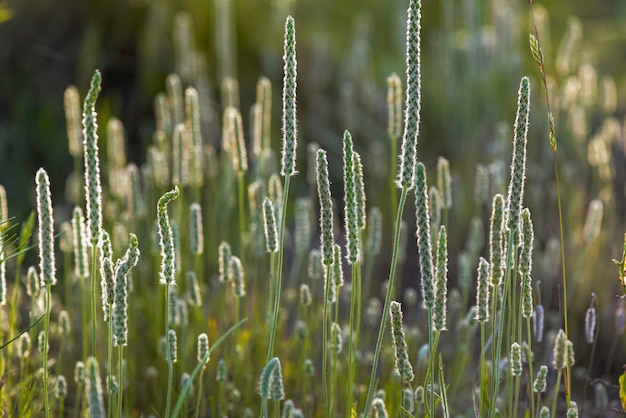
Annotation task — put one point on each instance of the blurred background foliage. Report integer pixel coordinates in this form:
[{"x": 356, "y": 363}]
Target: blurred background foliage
[{"x": 474, "y": 53}]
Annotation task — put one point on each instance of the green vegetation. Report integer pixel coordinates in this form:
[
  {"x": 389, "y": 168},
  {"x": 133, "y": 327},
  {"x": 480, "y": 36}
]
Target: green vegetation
[{"x": 251, "y": 239}]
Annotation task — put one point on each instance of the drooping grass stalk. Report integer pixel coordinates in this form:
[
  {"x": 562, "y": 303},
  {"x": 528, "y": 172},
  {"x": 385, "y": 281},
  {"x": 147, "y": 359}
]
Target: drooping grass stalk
[
  {"x": 288, "y": 161},
  {"x": 93, "y": 189},
  {"x": 47, "y": 267},
  {"x": 537, "y": 53},
  {"x": 167, "y": 275},
  {"x": 265, "y": 385},
  {"x": 407, "y": 169},
  {"x": 119, "y": 317}
]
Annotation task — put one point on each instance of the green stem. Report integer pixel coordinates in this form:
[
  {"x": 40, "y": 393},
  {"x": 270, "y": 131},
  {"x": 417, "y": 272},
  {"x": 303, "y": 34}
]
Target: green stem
[
  {"x": 45, "y": 352},
  {"x": 279, "y": 271},
  {"x": 325, "y": 339},
  {"x": 93, "y": 298},
  {"x": 482, "y": 369},
  {"x": 530, "y": 369},
  {"x": 170, "y": 368},
  {"x": 390, "y": 286},
  {"x": 556, "y": 391},
  {"x": 120, "y": 362},
  {"x": 198, "y": 402},
  {"x": 110, "y": 357},
  {"x": 498, "y": 330},
  {"x": 352, "y": 348}
]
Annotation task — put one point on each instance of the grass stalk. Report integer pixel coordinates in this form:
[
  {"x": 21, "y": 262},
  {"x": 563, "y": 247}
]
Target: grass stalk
[
  {"x": 120, "y": 380},
  {"x": 93, "y": 299},
  {"x": 45, "y": 352},
  {"x": 170, "y": 366},
  {"x": 351, "y": 346},
  {"x": 538, "y": 55},
  {"x": 390, "y": 286},
  {"x": 327, "y": 280},
  {"x": 279, "y": 271}
]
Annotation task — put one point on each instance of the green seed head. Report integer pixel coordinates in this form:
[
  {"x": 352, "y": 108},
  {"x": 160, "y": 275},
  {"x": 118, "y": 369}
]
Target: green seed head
[
  {"x": 441, "y": 281},
  {"x": 265, "y": 385},
  {"x": 46, "y": 230},
  {"x": 374, "y": 232},
  {"x": 166, "y": 238},
  {"x": 172, "y": 346},
  {"x": 79, "y": 373},
  {"x": 60, "y": 388},
  {"x": 444, "y": 182},
  {"x": 496, "y": 244},
  {"x": 289, "y": 142},
  {"x": 120, "y": 301},
  {"x": 593, "y": 222},
  {"x": 303, "y": 225},
  {"x": 518, "y": 165},
  {"x": 238, "y": 145},
  {"x": 221, "y": 371},
  {"x": 269, "y": 226},
  {"x": 65, "y": 325},
  {"x": 399, "y": 345},
  {"x": 194, "y": 295},
  {"x": 539, "y": 384},
  {"x": 196, "y": 234},
  {"x": 174, "y": 89},
  {"x": 560, "y": 350},
  {"x": 93, "y": 188},
  {"x": 203, "y": 348},
  {"x": 350, "y": 207},
  {"x": 481, "y": 184},
  {"x": 434, "y": 204},
  {"x": 423, "y": 238},
  {"x": 544, "y": 412},
  {"x": 525, "y": 264},
  {"x": 264, "y": 104},
  {"x": 408, "y": 156},
  {"x": 482, "y": 291},
  {"x": 236, "y": 274},
  {"x": 336, "y": 338},
  {"x": 80, "y": 244},
  {"x": 315, "y": 267},
  {"x": 394, "y": 106},
  {"x": 224, "y": 254},
  {"x": 572, "y": 411},
  {"x": 32, "y": 282},
  {"x": 516, "y": 360},
  {"x": 590, "y": 325},
  {"x": 23, "y": 346},
  {"x": 360, "y": 191},
  {"x": 193, "y": 124},
  {"x": 71, "y": 105},
  {"x": 93, "y": 388},
  {"x": 326, "y": 208},
  {"x": 378, "y": 408}
]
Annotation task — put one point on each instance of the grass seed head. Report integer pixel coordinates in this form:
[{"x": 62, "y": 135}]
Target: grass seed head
[
  {"x": 289, "y": 139},
  {"x": 47, "y": 267},
  {"x": 424, "y": 244},
  {"x": 93, "y": 389},
  {"x": 326, "y": 208}
]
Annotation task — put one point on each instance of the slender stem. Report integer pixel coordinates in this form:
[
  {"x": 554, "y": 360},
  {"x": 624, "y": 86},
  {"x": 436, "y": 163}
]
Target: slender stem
[
  {"x": 120, "y": 362},
  {"x": 498, "y": 331},
  {"x": 45, "y": 352},
  {"x": 279, "y": 271},
  {"x": 390, "y": 286},
  {"x": 325, "y": 339},
  {"x": 556, "y": 391},
  {"x": 351, "y": 347},
  {"x": 482, "y": 369},
  {"x": 61, "y": 404},
  {"x": 558, "y": 195},
  {"x": 530, "y": 369},
  {"x": 170, "y": 368},
  {"x": 110, "y": 358},
  {"x": 198, "y": 402},
  {"x": 93, "y": 298}
]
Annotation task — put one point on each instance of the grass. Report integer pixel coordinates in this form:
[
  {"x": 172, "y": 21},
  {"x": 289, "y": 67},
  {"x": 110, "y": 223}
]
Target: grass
[{"x": 331, "y": 355}]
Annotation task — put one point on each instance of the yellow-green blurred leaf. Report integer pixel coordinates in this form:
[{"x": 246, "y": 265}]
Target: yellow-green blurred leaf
[
  {"x": 622, "y": 390},
  {"x": 5, "y": 12}
]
